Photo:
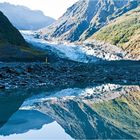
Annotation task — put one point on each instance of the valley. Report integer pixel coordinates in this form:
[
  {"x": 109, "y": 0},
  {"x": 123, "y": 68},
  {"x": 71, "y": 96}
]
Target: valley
[{"x": 68, "y": 65}]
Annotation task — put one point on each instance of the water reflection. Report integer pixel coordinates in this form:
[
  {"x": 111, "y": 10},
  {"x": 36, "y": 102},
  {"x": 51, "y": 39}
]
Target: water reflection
[
  {"x": 24, "y": 120},
  {"x": 107, "y": 111},
  {"x": 8, "y": 106}
]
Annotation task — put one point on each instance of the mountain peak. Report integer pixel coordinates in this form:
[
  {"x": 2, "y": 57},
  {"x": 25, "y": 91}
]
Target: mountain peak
[{"x": 86, "y": 17}]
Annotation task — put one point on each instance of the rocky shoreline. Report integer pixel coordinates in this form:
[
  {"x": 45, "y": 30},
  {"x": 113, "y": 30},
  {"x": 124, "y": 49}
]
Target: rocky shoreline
[{"x": 67, "y": 74}]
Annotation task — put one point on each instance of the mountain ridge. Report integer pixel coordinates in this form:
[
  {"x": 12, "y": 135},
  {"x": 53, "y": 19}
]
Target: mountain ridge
[
  {"x": 13, "y": 47},
  {"x": 123, "y": 32},
  {"x": 27, "y": 19},
  {"x": 84, "y": 18}
]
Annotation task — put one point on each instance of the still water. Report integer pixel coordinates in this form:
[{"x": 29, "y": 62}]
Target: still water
[{"x": 99, "y": 112}]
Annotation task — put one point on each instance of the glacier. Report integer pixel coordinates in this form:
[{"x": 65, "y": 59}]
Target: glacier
[{"x": 86, "y": 52}]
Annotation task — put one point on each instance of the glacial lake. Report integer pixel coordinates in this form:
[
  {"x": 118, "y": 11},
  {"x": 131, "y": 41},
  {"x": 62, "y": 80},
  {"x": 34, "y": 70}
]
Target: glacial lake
[{"x": 99, "y": 112}]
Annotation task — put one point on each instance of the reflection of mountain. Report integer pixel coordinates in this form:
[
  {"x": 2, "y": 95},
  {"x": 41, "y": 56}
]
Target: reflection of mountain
[
  {"x": 8, "y": 106},
  {"x": 82, "y": 116},
  {"x": 123, "y": 112},
  {"x": 23, "y": 121},
  {"x": 78, "y": 118},
  {"x": 13, "y": 120},
  {"x": 118, "y": 118}
]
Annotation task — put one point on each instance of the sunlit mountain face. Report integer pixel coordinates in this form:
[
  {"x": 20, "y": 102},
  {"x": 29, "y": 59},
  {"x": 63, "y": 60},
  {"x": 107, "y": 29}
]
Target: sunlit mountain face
[{"x": 86, "y": 17}]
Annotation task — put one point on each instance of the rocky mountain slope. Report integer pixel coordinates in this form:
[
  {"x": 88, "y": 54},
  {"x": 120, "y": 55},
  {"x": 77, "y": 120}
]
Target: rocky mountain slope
[
  {"x": 86, "y": 17},
  {"x": 123, "y": 32},
  {"x": 110, "y": 10},
  {"x": 12, "y": 44},
  {"x": 27, "y": 19}
]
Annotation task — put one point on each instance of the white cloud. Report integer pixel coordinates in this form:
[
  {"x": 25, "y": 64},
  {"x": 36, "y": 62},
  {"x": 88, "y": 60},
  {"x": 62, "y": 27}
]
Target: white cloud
[{"x": 53, "y": 8}]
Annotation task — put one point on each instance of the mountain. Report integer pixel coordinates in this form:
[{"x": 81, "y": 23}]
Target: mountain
[
  {"x": 13, "y": 46},
  {"x": 86, "y": 17},
  {"x": 24, "y": 18},
  {"x": 110, "y": 10},
  {"x": 123, "y": 32}
]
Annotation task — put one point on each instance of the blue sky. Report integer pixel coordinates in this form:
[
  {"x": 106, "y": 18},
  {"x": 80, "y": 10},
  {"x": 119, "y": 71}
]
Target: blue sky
[{"x": 53, "y": 8}]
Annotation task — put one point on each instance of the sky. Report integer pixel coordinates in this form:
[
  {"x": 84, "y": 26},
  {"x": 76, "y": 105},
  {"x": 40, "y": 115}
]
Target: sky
[{"x": 52, "y": 8}]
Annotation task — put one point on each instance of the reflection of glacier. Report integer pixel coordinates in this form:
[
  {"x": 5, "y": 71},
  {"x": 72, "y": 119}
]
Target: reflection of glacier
[
  {"x": 81, "y": 53},
  {"x": 95, "y": 94}
]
